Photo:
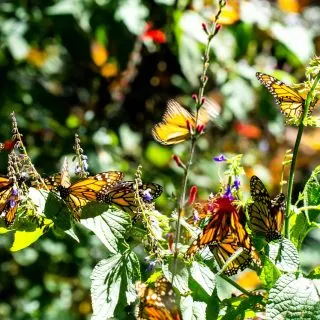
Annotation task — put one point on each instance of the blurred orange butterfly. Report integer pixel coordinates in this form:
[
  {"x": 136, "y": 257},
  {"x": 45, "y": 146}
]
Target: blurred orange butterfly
[
  {"x": 123, "y": 195},
  {"x": 174, "y": 129},
  {"x": 9, "y": 199},
  {"x": 266, "y": 215},
  {"x": 78, "y": 194},
  {"x": 157, "y": 303},
  {"x": 290, "y": 101}
]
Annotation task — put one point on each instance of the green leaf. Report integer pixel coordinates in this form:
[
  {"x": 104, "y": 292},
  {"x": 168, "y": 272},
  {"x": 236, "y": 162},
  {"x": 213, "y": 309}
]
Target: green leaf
[
  {"x": 311, "y": 194},
  {"x": 315, "y": 273},
  {"x": 294, "y": 297},
  {"x": 56, "y": 210},
  {"x": 269, "y": 273},
  {"x": 192, "y": 310},
  {"x": 299, "y": 229},
  {"x": 284, "y": 255},
  {"x": 109, "y": 224},
  {"x": 244, "y": 306},
  {"x": 113, "y": 283},
  {"x": 204, "y": 276},
  {"x": 181, "y": 278},
  {"x": 158, "y": 155},
  {"x": 23, "y": 239}
]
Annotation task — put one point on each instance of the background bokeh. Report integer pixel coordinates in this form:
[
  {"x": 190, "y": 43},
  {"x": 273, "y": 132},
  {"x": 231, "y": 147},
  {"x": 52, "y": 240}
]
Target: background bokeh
[{"x": 104, "y": 69}]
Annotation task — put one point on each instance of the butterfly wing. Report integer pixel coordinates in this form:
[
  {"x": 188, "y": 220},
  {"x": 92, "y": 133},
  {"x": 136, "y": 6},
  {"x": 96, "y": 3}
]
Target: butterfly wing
[
  {"x": 173, "y": 128},
  {"x": 208, "y": 111},
  {"x": 266, "y": 217},
  {"x": 231, "y": 256},
  {"x": 83, "y": 191},
  {"x": 8, "y": 201},
  {"x": 123, "y": 195},
  {"x": 157, "y": 303},
  {"x": 290, "y": 102}
]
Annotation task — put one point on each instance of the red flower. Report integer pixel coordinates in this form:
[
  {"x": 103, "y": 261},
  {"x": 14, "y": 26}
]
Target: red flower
[{"x": 156, "y": 35}]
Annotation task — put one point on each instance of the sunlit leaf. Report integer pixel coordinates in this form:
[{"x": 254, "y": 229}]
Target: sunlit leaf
[
  {"x": 113, "y": 283},
  {"x": 284, "y": 255},
  {"x": 192, "y": 310},
  {"x": 269, "y": 273},
  {"x": 108, "y": 224},
  {"x": 294, "y": 297},
  {"x": 204, "y": 276}
]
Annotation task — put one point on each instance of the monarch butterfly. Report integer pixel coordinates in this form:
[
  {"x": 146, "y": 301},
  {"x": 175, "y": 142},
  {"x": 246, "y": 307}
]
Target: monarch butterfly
[
  {"x": 290, "y": 101},
  {"x": 174, "y": 129},
  {"x": 123, "y": 195},
  {"x": 9, "y": 199},
  {"x": 157, "y": 303},
  {"x": 266, "y": 215},
  {"x": 81, "y": 192},
  {"x": 225, "y": 218},
  {"x": 223, "y": 251}
]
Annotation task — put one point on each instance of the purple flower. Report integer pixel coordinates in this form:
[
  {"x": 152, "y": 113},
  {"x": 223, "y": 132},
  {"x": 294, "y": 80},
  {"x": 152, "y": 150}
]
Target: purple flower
[
  {"x": 14, "y": 190},
  {"x": 236, "y": 183},
  {"x": 228, "y": 193},
  {"x": 196, "y": 217},
  {"x": 220, "y": 158},
  {"x": 151, "y": 266},
  {"x": 147, "y": 195},
  {"x": 12, "y": 203}
]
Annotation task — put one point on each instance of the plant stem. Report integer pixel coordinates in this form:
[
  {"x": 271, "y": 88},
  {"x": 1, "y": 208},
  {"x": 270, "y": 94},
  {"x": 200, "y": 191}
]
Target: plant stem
[
  {"x": 295, "y": 153},
  {"x": 234, "y": 284},
  {"x": 194, "y": 137}
]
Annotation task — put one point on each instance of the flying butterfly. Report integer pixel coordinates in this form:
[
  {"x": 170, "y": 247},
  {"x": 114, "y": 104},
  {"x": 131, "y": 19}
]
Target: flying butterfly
[
  {"x": 158, "y": 303},
  {"x": 266, "y": 215},
  {"x": 225, "y": 218},
  {"x": 174, "y": 127},
  {"x": 78, "y": 194},
  {"x": 124, "y": 195},
  {"x": 291, "y": 103},
  {"x": 9, "y": 199}
]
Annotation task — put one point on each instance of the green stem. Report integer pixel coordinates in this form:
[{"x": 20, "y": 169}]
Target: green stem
[
  {"x": 295, "y": 153},
  {"x": 234, "y": 284}
]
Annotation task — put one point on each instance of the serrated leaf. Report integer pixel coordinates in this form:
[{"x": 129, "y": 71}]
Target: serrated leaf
[
  {"x": 109, "y": 224},
  {"x": 269, "y": 273},
  {"x": 284, "y": 255},
  {"x": 204, "y": 276},
  {"x": 181, "y": 278},
  {"x": 192, "y": 310},
  {"x": 113, "y": 278},
  {"x": 294, "y": 297}
]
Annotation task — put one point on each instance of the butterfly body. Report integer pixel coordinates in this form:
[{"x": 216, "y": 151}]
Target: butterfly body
[
  {"x": 291, "y": 103},
  {"x": 266, "y": 215},
  {"x": 157, "y": 303},
  {"x": 78, "y": 194}
]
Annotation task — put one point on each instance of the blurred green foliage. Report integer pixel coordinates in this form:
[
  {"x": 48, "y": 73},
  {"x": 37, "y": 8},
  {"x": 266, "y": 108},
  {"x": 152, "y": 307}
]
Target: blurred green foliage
[{"x": 51, "y": 76}]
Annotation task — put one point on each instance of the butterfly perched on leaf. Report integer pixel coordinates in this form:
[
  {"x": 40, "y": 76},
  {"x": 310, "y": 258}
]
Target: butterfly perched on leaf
[
  {"x": 266, "y": 214},
  {"x": 124, "y": 195},
  {"x": 225, "y": 218},
  {"x": 78, "y": 194},
  {"x": 9, "y": 199},
  {"x": 234, "y": 256},
  {"x": 158, "y": 303},
  {"x": 291, "y": 103},
  {"x": 177, "y": 121}
]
